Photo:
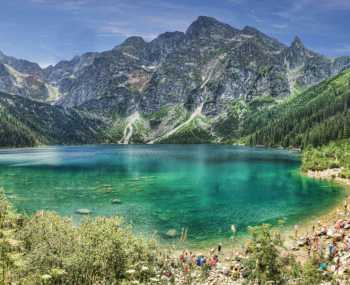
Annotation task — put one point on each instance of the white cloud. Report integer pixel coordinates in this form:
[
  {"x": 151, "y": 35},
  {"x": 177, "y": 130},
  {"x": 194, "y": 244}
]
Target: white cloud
[{"x": 124, "y": 30}]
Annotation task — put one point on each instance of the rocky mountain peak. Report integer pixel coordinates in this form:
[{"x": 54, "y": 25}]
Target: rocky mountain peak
[
  {"x": 208, "y": 27},
  {"x": 212, "y": 60},
  {"x": 164, "y": 44},
  {"x": 248, "y": 30},
  {"x": 297, "y": 54},
  {"x": 132, "y": 44},
  {"x": 170, "y": 36},
  {"x": 132, "y": 47},
  {"x": 297, "y": 44},
  {"x": 272, "y": 43},
  {"x": 135, "y": 41}
]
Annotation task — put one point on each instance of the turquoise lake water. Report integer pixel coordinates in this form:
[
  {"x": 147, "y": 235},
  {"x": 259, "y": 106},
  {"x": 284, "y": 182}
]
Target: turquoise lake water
[{"x": 205, "y": 188}]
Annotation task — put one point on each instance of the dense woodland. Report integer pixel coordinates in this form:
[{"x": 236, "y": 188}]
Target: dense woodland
[
  {"x": 25, "y": 122},
  {"x": 315, "y": 117},
  {"x": 13, "y": 132}
]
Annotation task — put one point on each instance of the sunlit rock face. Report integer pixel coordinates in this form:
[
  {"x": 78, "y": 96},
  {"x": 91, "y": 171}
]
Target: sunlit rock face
[
  {"x": 211, "y": 62},
  {"x": 203, "y": 71}
]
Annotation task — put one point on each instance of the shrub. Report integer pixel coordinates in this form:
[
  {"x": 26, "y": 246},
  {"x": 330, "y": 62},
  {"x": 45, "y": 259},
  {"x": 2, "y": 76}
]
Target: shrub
[
  {"x": 264, "y": 263},
  {"x": 99, "y": 251}
]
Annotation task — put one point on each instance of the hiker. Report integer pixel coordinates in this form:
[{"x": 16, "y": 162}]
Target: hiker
[
  {"x": 320, "y": 247},
  {"x": 330, "y": 250},
  {"x": 296, "y": 232},
  {"x": 308, "y": 245},
  {"x": 337, "y": 264},
  {"x": 346, "y": 208},
  {"x": 200, "y": 260},
  {"x": 219, "y": 248},
  {"x": 213, "y": 261},
  {"x": 182, "y": 257},
  {"x": 316, "y": 242}
]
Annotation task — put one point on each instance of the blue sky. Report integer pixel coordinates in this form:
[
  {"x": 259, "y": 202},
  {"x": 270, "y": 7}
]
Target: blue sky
[{"x": 46, "y": 31}]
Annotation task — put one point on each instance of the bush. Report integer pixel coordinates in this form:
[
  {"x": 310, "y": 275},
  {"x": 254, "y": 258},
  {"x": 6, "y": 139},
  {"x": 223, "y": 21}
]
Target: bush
[
  {"x": 264, "y": 263},
  {"x": 100, "y": 251}
]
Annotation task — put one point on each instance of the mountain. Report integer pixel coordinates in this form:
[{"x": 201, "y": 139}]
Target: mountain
[
  {"x": 25, "y": 122},
  {"x": 207, "y": 84},
  {"x": 319, "y": 115},
  {"x": 25, "y": 78},
  {"x": 211, "y": 62}
]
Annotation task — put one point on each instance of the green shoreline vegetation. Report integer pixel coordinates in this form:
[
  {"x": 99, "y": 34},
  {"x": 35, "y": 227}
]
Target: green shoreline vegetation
[
  {"x": 47, "y": 249},
  {"x": 335, "y": 155}
]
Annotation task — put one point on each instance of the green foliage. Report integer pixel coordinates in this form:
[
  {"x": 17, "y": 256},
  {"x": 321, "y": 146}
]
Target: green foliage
[
  {"x": 13, "y": 133},
  {"x": 228, "y": 125},
  {"x": 311, "y": 275},
  {"x": 315, "y": 117},
  {"x": 99, "y": 251},
  {"x": 195, "y": 132},
  {"x": 140, "y": 132},
  {"x": 333, "y": 155},
  {"x": 115, "y": 132},
  {"x": 104, "y": 251},
  {"x": 264, "y": 263},
  {"x": 24, "y": 122},
  {"x": 6, "y": 251}
]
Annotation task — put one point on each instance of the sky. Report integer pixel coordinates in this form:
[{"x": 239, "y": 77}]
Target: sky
[{"x": 47, "y": 31}]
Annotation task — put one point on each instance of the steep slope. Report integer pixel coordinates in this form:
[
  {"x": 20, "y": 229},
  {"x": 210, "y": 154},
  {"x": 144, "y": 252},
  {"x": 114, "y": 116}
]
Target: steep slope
[
  {"x": 317, "y": 116},
  {"x": 25, "y": 78},
  {"x": 24, "y": 122},
  {"x": 237, "y": 78},
  {"x": 234, "y": 64}
]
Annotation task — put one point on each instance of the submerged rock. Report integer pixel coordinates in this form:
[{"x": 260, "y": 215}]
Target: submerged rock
[
  {"x": 116, "y": 201},
  {"x": 83, "y": 211},
  {"x": 171, "y": 233}
]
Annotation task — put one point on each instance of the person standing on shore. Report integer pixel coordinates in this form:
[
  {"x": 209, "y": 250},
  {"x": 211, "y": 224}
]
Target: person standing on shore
[
  {"x": 346, "y": 208},
  {"x": 296, "y": 232},
  {"x": 219, "y": 248}
]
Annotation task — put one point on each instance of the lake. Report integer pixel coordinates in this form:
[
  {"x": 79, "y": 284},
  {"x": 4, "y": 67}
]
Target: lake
[{"x": 204, "y": 188}]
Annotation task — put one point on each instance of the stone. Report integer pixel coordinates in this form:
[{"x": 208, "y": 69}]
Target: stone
[
  {"x": 116, "y": 201},
  {"x": 83, "y": 211},
  {"x": 171, "y": 233}
]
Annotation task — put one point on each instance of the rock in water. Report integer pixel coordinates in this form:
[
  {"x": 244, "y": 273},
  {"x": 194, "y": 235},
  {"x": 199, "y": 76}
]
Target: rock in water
[
  {"x": 171, "y": 233},
  {"x": 83, "y": 211},
  {"x": 116, "y": 201}
]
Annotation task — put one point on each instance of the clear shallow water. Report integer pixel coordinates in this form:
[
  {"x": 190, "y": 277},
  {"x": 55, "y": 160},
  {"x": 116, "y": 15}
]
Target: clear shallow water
[{"x": 204, "y": 188}]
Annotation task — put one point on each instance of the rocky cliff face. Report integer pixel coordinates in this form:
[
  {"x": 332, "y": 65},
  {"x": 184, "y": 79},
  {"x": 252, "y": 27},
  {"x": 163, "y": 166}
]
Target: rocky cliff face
[
  {"x": 24, "y": 78},
  {"x": 211, "y": 62},
  {"x": 204, "y": 70}
]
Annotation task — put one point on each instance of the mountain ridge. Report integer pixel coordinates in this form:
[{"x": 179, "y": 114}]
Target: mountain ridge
[{"x": 206, "y": 73}]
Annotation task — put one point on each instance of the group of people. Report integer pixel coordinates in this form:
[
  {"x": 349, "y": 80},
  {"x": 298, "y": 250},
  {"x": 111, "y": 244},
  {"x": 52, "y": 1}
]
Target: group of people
[
  {"x": 188, "y": 259},
  {"x": 215, "y": 265},
  {"x": 215, "y": 262},
  {"x": 329, "y": 243}
]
